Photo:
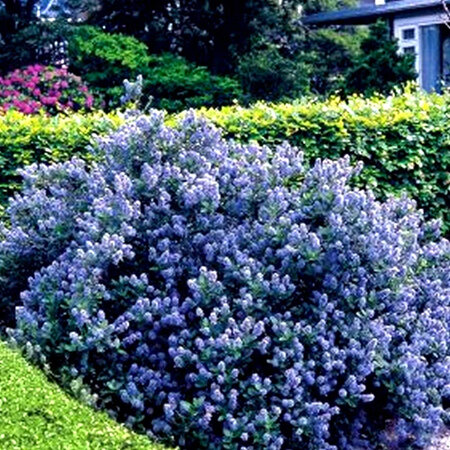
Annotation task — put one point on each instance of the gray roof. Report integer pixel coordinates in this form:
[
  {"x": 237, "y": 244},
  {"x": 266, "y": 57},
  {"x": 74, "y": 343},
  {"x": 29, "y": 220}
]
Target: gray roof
[{"x": 367, "y": 14}]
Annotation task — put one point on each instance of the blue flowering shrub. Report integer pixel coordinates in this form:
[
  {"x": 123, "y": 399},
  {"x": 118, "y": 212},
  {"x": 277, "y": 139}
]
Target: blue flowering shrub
[{"x": 224, "y": 296}]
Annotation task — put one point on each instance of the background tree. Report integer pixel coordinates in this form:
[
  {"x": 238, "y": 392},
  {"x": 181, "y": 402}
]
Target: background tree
[
  {"x": 380, "y": 67},
  {"x": 209, "y": 32},
  {"x": 260, "y": 42},
  {"x": 331, "y": 53},
  {"x": 15, "y": 14}
]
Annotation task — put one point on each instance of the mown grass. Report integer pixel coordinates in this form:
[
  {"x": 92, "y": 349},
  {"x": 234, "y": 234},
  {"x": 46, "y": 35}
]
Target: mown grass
[{"x": 36, "y": 414}]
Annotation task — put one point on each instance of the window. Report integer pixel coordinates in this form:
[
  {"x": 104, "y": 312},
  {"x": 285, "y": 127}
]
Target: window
[
  {"x": 408, "y": 42},
  {"x": 408, "y": 34},
  {"x": 410, "y": 50}
]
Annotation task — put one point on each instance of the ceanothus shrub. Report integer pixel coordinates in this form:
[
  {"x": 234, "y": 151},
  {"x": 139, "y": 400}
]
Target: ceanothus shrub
[{"x": 219, "y": 295}]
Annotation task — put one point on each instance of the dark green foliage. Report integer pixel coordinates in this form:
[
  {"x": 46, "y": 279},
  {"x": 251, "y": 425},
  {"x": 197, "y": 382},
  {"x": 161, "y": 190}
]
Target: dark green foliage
[
  {"x": 380, "y": 67},
  {"x": 104, "y": 60},
  {"x": 266, "y": 74},
  {"x": 330, "y": 54},
  {"x": 312, "y": 6},
  {"x": 214, "y": 33},
  {"x": 175, "y": 84},
  {"x": 24, "y": 46},
  {"x": 209, "y": 32},
  {"x": 260, "y": 41},
  {"x": 14, "y": 15}
]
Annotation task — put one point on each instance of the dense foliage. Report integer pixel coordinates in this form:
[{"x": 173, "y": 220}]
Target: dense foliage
[
  {"x": 224, "y": 296},
  {"x": 262, "y": 43},
  {"x": 267, "y": 75},
  {"x": 37, "y": 415},
  {"x": 209, "y": 33},
  {"x": 34, "y": 44},
  {"x": 213, "y": 33},
  {"x": 104, "y": 60},
  {"x": 379, "y": 66},
  {"x": 38, "y": 88},
  {"x": 403, "y": 140},
  {"x": 27, "y": 139},
  {"x": 265, "y": 44},
  {"x": 14, "y": 15},
  {"x": 330, "y": 54},
  {"x": 174, "y": 84}
]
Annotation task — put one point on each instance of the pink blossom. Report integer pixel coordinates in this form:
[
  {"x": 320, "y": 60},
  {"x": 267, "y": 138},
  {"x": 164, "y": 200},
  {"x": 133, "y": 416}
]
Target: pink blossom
[
  {"x": 25, "y": 108},
  {"x": 16, "y": 78},
  {"x": 49, "y": 101},
  {"x": 36, "y": 68},
  {"x": 89, "y": 101}
]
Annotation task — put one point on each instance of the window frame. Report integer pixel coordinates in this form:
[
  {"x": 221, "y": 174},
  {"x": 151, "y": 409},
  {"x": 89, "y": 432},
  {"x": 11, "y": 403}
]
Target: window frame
[{"x": 407, "y": 43}]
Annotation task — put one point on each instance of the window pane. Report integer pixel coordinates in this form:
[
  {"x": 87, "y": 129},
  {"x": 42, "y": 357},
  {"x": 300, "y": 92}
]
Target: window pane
[
  {"x": 408, "y": 34},
  {"x": 409, "y": 50}
]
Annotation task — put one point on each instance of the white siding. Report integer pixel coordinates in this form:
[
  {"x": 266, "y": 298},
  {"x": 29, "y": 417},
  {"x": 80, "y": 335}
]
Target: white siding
[{"x": 403, "y": 24}]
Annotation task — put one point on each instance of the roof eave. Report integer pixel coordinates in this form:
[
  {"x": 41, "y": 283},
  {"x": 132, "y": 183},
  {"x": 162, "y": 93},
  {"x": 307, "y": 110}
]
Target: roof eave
[{"x": 368, "y": 14}]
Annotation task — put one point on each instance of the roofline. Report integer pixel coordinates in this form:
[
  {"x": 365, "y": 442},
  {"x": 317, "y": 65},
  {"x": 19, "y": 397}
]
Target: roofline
[{"x": 367, "y": 14}]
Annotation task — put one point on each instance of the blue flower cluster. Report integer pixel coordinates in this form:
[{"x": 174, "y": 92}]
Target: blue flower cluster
[{"x": 219, "y": 295}]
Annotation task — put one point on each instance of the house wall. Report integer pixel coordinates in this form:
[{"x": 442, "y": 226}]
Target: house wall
[{"x": 420, "y": 23}]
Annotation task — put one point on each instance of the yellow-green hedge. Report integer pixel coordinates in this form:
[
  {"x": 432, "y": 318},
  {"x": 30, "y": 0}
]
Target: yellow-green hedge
[
  {"x": 26, "y": 139},
  {"x": 403, "y": 140}
]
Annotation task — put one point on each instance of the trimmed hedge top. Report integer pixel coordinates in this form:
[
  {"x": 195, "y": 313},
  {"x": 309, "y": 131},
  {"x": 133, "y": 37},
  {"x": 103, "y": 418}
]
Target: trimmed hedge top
[
  {"x": 27, "y": 139},
  {"x": 403, "y": 140}
]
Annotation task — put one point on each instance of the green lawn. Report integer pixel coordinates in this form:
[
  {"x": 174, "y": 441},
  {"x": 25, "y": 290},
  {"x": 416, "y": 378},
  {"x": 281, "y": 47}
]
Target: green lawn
[{"x": 36, "y": 414}]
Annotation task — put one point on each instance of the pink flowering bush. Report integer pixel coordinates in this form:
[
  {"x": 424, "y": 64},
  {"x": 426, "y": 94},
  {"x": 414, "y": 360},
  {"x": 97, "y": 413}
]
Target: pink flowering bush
[{"x": 43, "y": 88}]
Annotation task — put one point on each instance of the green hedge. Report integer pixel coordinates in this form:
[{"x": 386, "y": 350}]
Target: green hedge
[
  {"x": 403, "y": 140},
  {"x": 26, "y": 139},
  {"x": 35, "y": 414}
]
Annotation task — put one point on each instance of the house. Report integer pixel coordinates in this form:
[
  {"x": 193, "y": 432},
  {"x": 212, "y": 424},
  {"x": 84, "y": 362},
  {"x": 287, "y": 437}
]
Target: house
[{"x": 422, "y": 27}]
